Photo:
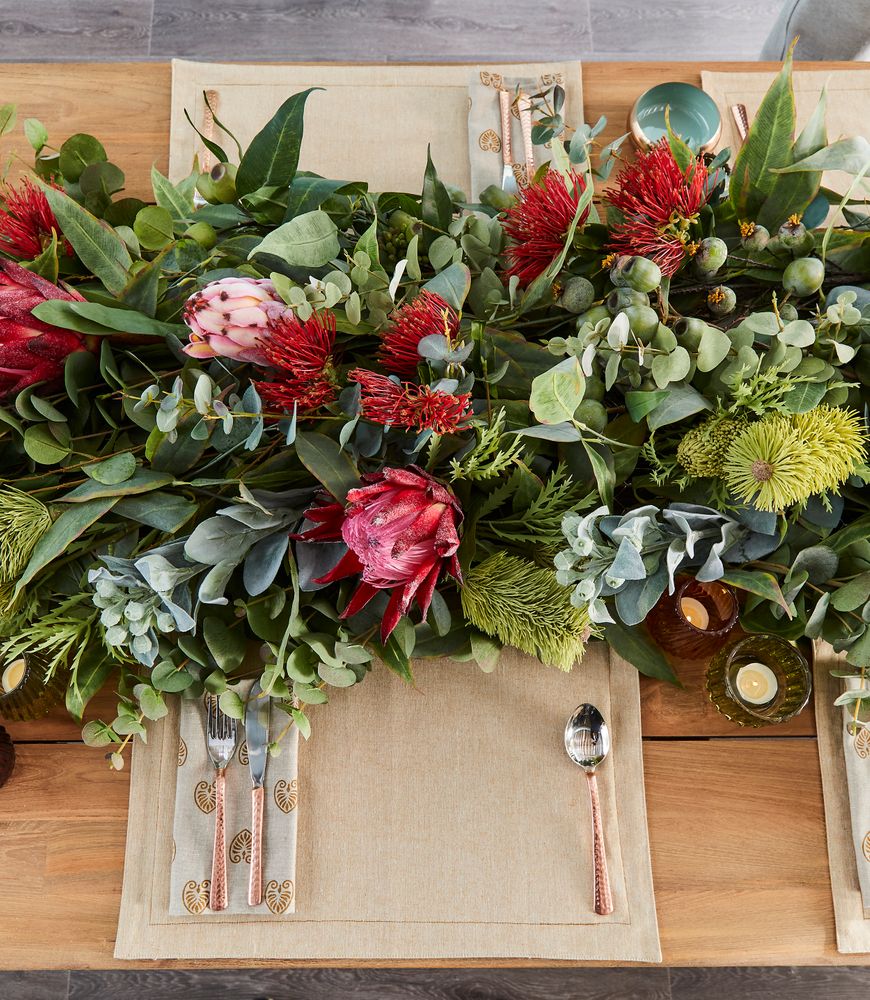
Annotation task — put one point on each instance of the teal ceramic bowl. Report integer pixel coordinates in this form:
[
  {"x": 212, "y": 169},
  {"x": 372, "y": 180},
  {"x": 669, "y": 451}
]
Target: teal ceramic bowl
[{"x": 693, "y": 115}]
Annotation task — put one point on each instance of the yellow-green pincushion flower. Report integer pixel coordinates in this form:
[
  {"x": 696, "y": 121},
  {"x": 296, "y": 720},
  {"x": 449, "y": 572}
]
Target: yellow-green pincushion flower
[
  {"x": 783, "y": 460},
  {"x": 702, "y": 450}
]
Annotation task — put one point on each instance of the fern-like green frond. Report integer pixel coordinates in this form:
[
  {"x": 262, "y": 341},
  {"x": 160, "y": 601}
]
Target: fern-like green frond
[
  {"x": 488, "y": 458},
  {"x": 524, "y": 606}
]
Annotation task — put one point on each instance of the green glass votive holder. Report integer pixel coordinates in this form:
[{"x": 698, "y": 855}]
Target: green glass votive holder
[
  {"x": 25, "y": 694},
  {"x": 759, "y": 680}
]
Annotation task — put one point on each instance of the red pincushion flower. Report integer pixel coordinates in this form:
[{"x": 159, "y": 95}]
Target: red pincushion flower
[
  {"x": 401, "y": 532},
  {"x": 658, "y": 202},
  {"x": 537, "y": 226},
  {"x": 300, "y": 351},
  {"x": 31, "y": 351},
  {"x": 408, "y": 405},
  {"x": 426, "y": 315},
  {"x": 27, "y": 222}
]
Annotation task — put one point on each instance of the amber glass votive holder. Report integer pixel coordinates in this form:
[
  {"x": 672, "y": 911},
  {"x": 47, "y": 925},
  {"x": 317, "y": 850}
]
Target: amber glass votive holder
[
  {"x": 33, "y": 696},
  {"x": 792, "y": 673},
  {"x": 694, "y": 621}
]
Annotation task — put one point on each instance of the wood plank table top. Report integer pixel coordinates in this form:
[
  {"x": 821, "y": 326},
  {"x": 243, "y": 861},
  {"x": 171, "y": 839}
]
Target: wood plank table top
[{"x": 736, "y": 822}]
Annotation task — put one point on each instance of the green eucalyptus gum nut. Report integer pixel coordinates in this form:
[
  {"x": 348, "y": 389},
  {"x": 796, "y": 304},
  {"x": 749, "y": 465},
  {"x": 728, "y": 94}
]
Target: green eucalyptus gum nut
[
  {"x": 787, "y": 312},
  {"x": 721, "y": 300},
  {"x": 791, "y": 234},
  {"x": 495, "y": 197},
  {"x": 617, "y": 271},
  {"x": 402, "y": 221},
  {"x": 591, "y": 413},
  {"x": 578, "y": 295},
  {"x": 643, "y": 320},
  {"x": 642, "y": 275},
  {"x": 710, "y": 255},
  {"x": 593, "y": 316},
  {"x": 622, "y": 298},
  {"x": 757, "y": 240},
  {"x": 805, "y": 247},
  {"x": 594, "y": 390},
  {"x": 218, "y": 186},
  {"x": 203, "y": 233},
  {"x": 803, "y": 276}
]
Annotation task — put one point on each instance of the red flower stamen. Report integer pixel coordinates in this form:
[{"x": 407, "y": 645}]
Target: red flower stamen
[
  {"x": 537, "y": 226},
  {"x": 659, "y": 202},
  {"x": 426, "y": 315},
  {"x": 27, "y": 223},
  {"x": 300, "y": 351},
  {"x": 408, "y": 405}
]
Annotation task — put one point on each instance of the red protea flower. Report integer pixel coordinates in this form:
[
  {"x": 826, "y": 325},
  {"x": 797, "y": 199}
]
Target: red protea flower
[
  {"x": 658, "y": 202},
  {"x": 537, "y": 226},
  {"x": 385, "y": 401},
  {"x": 426, "y": 315},
  {"x": 27, "y": 222},
  {"x": 300, "y": 351},
  {"x": 31, "y": 351},
  {"x": 401, "y": 532}
]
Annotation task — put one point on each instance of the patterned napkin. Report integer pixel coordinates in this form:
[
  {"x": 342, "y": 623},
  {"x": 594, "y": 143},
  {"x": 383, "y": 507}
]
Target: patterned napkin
[
  {"x": 857, "y": 752},
  {"x": 484, "y": 123},
  {"x": 193, "y": 826}
]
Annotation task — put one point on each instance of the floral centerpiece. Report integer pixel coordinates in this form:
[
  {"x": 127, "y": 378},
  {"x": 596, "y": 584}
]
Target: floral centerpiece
[{"x": 276, "y": 423}]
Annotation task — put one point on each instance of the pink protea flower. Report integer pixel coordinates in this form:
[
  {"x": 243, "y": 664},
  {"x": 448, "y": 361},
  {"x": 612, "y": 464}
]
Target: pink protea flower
[
  {"x": 229, "y": 318},
  {"x": 426, "y": 315},
  {"x": 537, "y": 226},
  {"x": 401, "y": 532},
  {"x": 27, "y": 222},
  {"x": 418, "y": 407},
  {"x": 658, "y": 202},
  {"x": 31, "y": 351}
]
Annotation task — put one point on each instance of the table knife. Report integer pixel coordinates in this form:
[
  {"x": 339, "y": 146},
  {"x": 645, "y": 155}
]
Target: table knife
[
  {"x": 508, "y": 178},
  {"x": 524, "y": 106},
  {"x": 257, "y": 737}
]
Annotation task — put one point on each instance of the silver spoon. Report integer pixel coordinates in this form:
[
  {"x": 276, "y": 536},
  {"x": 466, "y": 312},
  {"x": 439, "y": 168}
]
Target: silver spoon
[{"x": 587, "y": 741}]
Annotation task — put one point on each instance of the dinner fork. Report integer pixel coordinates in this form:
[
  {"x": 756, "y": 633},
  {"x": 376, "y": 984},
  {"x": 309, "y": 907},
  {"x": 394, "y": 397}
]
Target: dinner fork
[{"x": 221, "y": 743}]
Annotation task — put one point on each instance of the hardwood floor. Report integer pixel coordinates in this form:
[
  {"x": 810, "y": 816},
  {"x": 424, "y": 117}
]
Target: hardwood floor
[{"x": 382, "y": 30}]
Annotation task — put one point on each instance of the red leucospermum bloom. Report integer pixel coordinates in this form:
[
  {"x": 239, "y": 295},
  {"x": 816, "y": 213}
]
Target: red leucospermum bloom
[
  {"x": 300, "y": 351},
  {"x": 27, "y": 222},
  {"x": 401, "y": 532},
  {"x": 31, "y": 351},
  {"x": 426, "y": 315},
  {"x": 658, "y": 201},
  {"x": 419, "y": 407},
  {"x": 537, "y": 226}
]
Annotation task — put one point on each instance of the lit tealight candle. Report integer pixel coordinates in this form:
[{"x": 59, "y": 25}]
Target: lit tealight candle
[
  {"x": 756, "y": 683},
  {"x": 694, "y": 612},
  {"x": 13, "y": 675}
]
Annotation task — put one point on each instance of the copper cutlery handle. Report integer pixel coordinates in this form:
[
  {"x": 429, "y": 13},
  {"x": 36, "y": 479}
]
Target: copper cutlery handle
[
  {"x": 603, "y": 896},
  {"x": 504, "y": 102},
  {"x": 524, "y": 106},
  {"x": 255, "y": 886},
  {"x": 217, "y": 899}
]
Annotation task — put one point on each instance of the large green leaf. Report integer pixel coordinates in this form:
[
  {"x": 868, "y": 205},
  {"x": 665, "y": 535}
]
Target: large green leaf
[
  {"x": 768, "y": 146},
  {"x": 452, "y": 284},
  {"x": 93, "y": 318},
  {"x": 849, "y": 155},
  {"x": 556, "y": 394},
  {"x": 142, "y": 481},
  {"x": 160, "y": 510},
  {"x": 634, "y": 645},
  {"x": 66, "y": 529},
  {"x": 326, "y": 461},
  {"x": 309, "y": 240},
  {"x": 273, "y": 155},
  {"x": 436, "y": 206},
  {"x": 98, "y": 246},
  {"x": 167, "y": 196},
  {"x": 757, "y": 582},
  {"x": 308, "y": 192},
  {"x": 95, "y": 668}
]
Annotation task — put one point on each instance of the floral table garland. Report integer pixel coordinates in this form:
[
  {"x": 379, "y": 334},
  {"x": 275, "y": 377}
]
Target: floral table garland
[{"x": 280, "y": 409}]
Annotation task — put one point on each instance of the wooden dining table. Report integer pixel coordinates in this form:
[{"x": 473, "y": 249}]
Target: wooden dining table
[{"x": 736, "y": 819}]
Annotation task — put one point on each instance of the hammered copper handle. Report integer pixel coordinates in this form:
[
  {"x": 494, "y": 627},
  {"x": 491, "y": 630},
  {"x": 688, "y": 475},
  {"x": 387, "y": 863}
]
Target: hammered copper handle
[
  {"x": 524, "y": 106},
  {"x": 217, "y": 899},
  {"x": 603, "y": 896},
  {"x": 504, "y": 102},
  {"x": 255, "y": 886}
]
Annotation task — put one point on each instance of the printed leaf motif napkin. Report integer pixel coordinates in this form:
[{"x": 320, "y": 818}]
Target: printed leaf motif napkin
[
  {"x": 193, "y": 826},
  {"x": 857, "y": 752}
]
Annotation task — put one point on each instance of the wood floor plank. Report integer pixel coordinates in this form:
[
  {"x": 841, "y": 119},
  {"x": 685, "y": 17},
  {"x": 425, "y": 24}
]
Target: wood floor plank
[
  {"x": 736, "y": 830},
  {"x": 770, "y": 984},
  {"x": 34, "y": 985},
  {"x": 57, "y": 31},
  {"x": 373, "y": 31},
  {"x": 361, "y": 984}
]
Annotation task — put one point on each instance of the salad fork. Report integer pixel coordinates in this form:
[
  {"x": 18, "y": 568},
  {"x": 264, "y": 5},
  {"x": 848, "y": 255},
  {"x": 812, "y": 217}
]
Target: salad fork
[{"x": 221, "y": 743}]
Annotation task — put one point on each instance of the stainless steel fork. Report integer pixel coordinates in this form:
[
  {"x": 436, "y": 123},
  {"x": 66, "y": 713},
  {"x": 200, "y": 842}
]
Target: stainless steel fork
[{"x": 221, "y": 743}]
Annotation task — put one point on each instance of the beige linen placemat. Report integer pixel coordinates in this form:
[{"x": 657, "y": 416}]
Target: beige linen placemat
[
  {"x": 848, "y": 105},
  {"x": 845, "y": 847},
  {"x": 441, "y": 822},
  {"x": 193, "y": 824},
  {"x": 371, "y": 123}
]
